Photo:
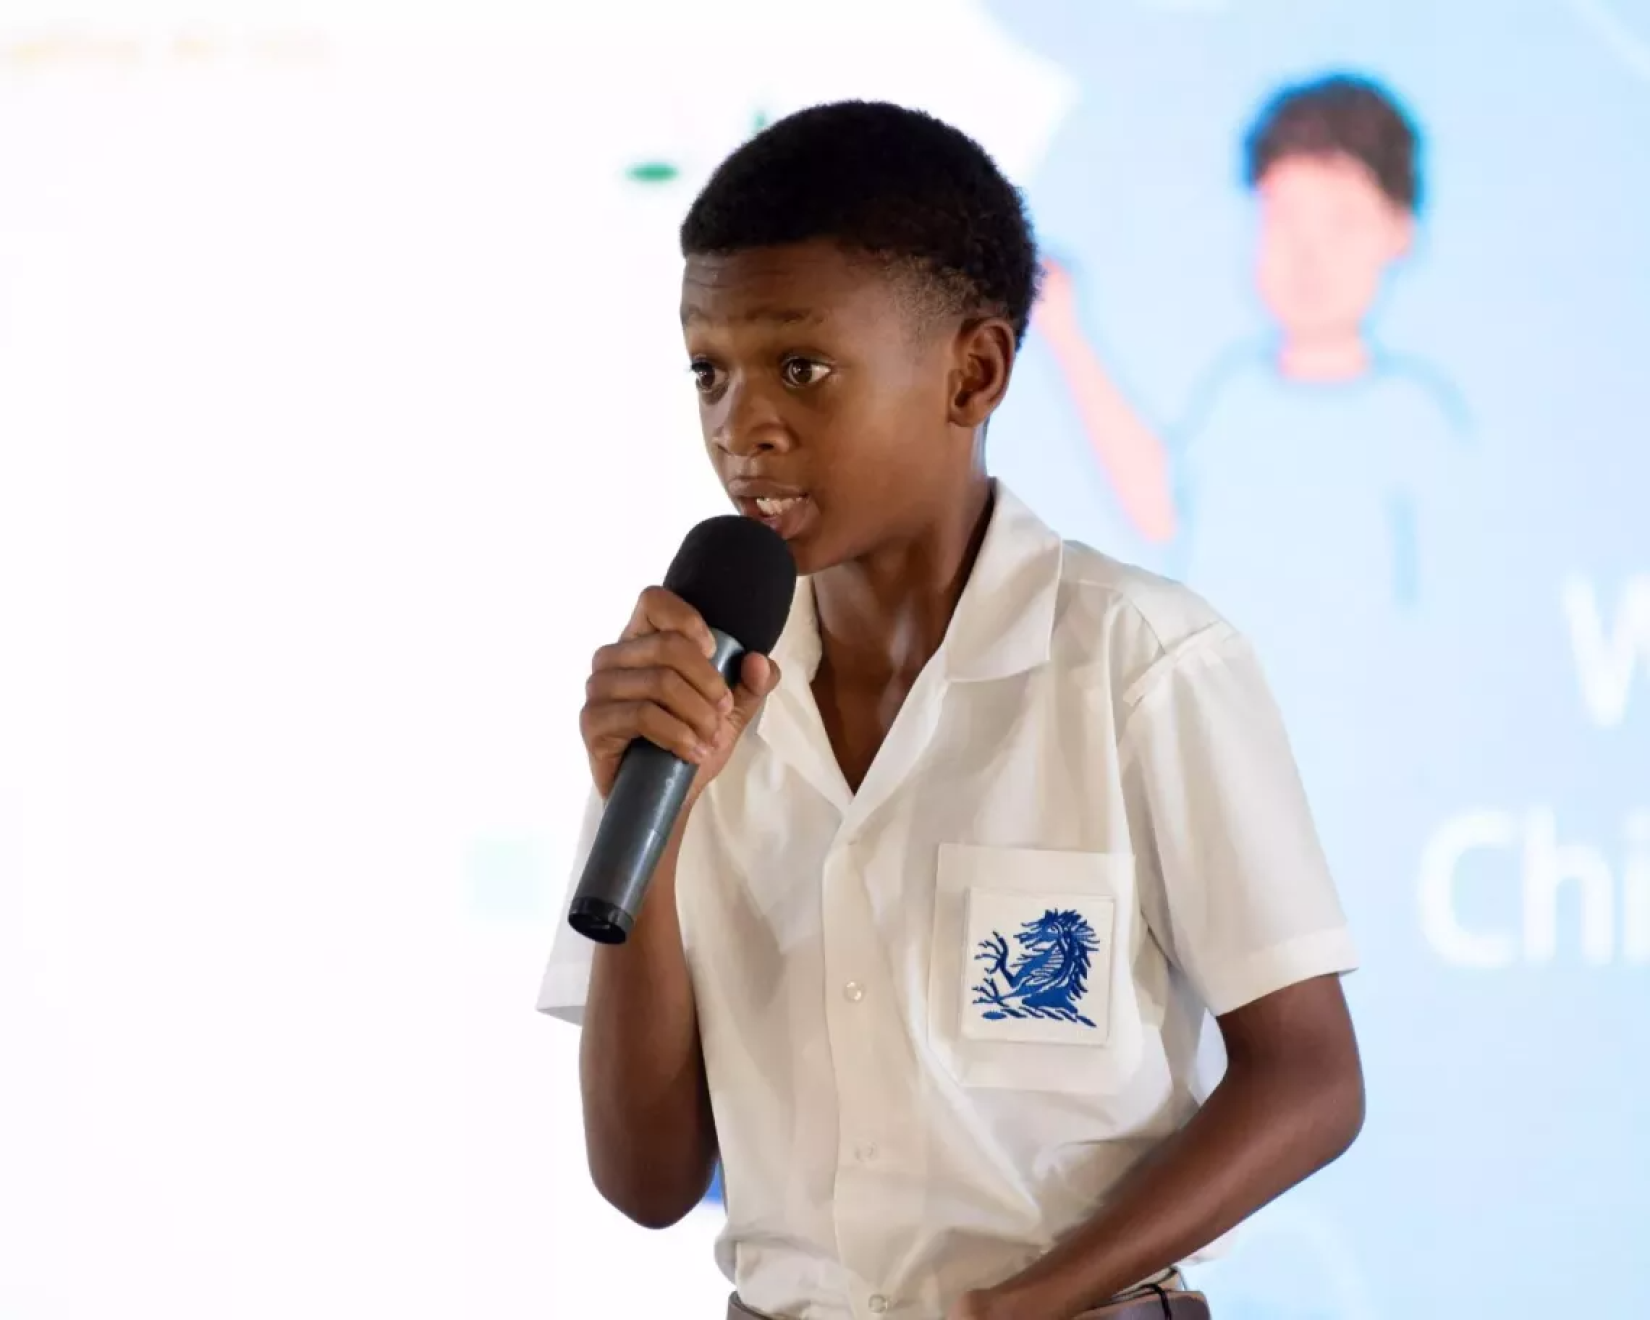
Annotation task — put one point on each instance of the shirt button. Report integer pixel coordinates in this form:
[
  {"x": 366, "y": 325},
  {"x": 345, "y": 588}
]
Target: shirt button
[
  {"x": 879, "y": 1304},
  {"x": 853, "y": 992}
]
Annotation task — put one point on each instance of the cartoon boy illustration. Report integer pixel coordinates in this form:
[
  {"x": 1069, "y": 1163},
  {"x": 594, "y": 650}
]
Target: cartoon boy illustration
[{"x": 1301, "y": 491}]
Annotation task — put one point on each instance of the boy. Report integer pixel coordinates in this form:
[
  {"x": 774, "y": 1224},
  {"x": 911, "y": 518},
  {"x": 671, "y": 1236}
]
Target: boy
[{"x": 971, "y": 857}]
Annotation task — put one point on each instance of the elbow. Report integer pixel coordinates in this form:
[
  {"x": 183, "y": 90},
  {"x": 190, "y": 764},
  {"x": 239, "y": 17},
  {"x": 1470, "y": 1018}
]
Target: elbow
[
  {"x": 647, "y": 1199},
  {"x": 1341, "y": 1111},
  {"x": 1313, "y": 1113},
  {"x": 1357, "y": 1109},
  {"x": 649, "y": 1212}
]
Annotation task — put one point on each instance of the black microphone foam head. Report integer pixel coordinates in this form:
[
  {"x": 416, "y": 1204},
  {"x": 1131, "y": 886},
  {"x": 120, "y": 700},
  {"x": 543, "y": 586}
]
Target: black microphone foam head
[{"x": 739, "y": 574}]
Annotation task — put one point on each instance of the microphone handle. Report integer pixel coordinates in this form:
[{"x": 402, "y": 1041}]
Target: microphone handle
[{"x": 641, "y": 811}]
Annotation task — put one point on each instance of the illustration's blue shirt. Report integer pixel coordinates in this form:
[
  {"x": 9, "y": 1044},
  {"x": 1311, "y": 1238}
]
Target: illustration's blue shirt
[
  {"x": 1314, "y": 502},
  {"x": 1316, "y": 517}
]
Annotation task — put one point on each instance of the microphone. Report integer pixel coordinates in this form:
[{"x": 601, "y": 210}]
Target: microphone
[{"x": 739, "y": 575}]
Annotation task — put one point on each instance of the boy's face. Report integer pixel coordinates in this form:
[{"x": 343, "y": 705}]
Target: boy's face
[
  {"x": 1327, "y": 235},
  {"x": 827, "y": 409}
]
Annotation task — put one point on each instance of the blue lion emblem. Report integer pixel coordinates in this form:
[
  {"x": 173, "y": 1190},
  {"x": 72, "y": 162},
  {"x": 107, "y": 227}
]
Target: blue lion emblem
[{"x": 1049, "y": 972}]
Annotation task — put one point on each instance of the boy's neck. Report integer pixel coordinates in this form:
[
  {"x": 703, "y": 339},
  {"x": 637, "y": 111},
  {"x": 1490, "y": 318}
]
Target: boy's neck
[
  {"x": 1324, "y": 358},
  {"x": 881, "y": 618}
]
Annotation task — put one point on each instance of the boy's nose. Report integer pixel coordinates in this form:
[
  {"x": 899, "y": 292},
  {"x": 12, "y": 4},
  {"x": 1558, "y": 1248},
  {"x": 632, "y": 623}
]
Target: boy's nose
[{"x": 750, "y": 424}]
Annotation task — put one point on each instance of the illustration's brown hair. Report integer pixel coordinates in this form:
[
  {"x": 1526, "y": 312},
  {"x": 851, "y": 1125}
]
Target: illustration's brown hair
[{"x": 1345, "y": 115}]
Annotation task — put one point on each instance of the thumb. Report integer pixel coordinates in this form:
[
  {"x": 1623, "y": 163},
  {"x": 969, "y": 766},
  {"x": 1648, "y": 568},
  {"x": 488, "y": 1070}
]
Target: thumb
[{"x": 758, "y": 676}]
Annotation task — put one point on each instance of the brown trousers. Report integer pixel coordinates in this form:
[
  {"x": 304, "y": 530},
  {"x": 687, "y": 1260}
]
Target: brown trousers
[{"x": 1141, "y": 1304}]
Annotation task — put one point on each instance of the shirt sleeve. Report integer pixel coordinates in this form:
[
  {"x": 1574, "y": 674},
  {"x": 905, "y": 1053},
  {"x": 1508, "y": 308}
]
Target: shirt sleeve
[
  {"x": 566, "y": 981},
  {"x": 1235, "y": 885}
]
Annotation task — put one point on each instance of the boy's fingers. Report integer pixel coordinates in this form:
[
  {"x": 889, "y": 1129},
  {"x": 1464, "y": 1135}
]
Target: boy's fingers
[{"x": 759, "y": 674}]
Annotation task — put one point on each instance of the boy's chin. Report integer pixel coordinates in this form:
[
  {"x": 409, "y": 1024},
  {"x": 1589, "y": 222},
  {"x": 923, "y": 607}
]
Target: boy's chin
[
  {"x": 810, "y": 559},
  {"x": 816, "y": 550}
]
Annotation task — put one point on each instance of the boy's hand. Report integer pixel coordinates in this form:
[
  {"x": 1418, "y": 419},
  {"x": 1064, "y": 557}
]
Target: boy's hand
[{"x": 657, "y": 682}]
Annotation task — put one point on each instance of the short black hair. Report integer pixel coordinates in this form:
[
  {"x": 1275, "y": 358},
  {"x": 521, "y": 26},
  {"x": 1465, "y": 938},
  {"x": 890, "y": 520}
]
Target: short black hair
[
  {"x": 1341, "y": 114},
  {"x": 882, "y": 181}
]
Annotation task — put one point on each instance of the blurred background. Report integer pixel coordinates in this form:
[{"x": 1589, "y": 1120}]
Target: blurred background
[{"x": 343, "y": 412}]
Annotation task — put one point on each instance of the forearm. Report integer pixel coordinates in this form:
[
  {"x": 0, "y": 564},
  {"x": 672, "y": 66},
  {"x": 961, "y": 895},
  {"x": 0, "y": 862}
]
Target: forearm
[
  {"x": 1264, "y": 1129},
  {"x": 649, "y": 1134},
  {"x": 1134, "y": 458}
]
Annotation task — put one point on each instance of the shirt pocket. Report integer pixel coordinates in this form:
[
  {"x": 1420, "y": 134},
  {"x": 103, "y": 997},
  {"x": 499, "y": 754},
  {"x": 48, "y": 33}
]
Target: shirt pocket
[{"x": 1030, "y": 975}]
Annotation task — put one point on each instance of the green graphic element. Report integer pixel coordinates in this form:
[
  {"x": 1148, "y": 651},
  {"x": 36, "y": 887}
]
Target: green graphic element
[
  {"x": 653, "y": 171},
  {"x": 664, "y": 171}
]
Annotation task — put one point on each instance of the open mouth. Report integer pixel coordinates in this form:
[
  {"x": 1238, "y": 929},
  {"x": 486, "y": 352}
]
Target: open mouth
[{"x": 787, "y": 514}]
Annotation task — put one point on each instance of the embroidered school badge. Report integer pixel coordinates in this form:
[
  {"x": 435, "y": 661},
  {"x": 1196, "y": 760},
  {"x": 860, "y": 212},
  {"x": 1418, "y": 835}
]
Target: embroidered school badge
[{"x": 1041, "y": 967}]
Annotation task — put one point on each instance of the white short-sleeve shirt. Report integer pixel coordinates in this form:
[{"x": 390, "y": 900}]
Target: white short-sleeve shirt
[{"x": 942, "y": 1016}]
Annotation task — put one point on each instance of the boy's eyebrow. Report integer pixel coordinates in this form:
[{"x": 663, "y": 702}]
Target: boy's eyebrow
[{"x": 772, "y": 315}]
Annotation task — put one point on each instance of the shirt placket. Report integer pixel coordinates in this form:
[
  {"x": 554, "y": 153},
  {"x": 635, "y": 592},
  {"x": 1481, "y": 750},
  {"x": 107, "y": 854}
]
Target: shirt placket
[{"x": 874, "y": 1209}]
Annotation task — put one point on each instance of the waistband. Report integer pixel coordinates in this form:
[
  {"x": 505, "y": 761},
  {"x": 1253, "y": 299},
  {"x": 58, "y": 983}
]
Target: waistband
[{"x": 1164, "y": 1298}]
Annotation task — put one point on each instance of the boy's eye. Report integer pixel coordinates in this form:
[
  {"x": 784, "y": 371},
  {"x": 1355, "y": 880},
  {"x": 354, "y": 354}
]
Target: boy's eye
[
  {"x": 799, "y": 371},
  {"x": 704, "y": 375}
]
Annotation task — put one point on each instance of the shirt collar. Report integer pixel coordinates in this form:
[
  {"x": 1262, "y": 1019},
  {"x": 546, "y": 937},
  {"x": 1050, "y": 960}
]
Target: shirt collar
[{"x": 1004, "y": 619}]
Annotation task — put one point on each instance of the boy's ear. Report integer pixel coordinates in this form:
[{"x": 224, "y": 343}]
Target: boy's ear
[{"x": 984, "y": 360}]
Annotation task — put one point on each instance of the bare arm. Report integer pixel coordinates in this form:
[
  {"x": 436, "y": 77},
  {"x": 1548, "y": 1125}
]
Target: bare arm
[
  {"x": 1291, "y": 1102},
  {"x": 649, "y": 1135},
  {"x": 1135, "y": 460}
]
